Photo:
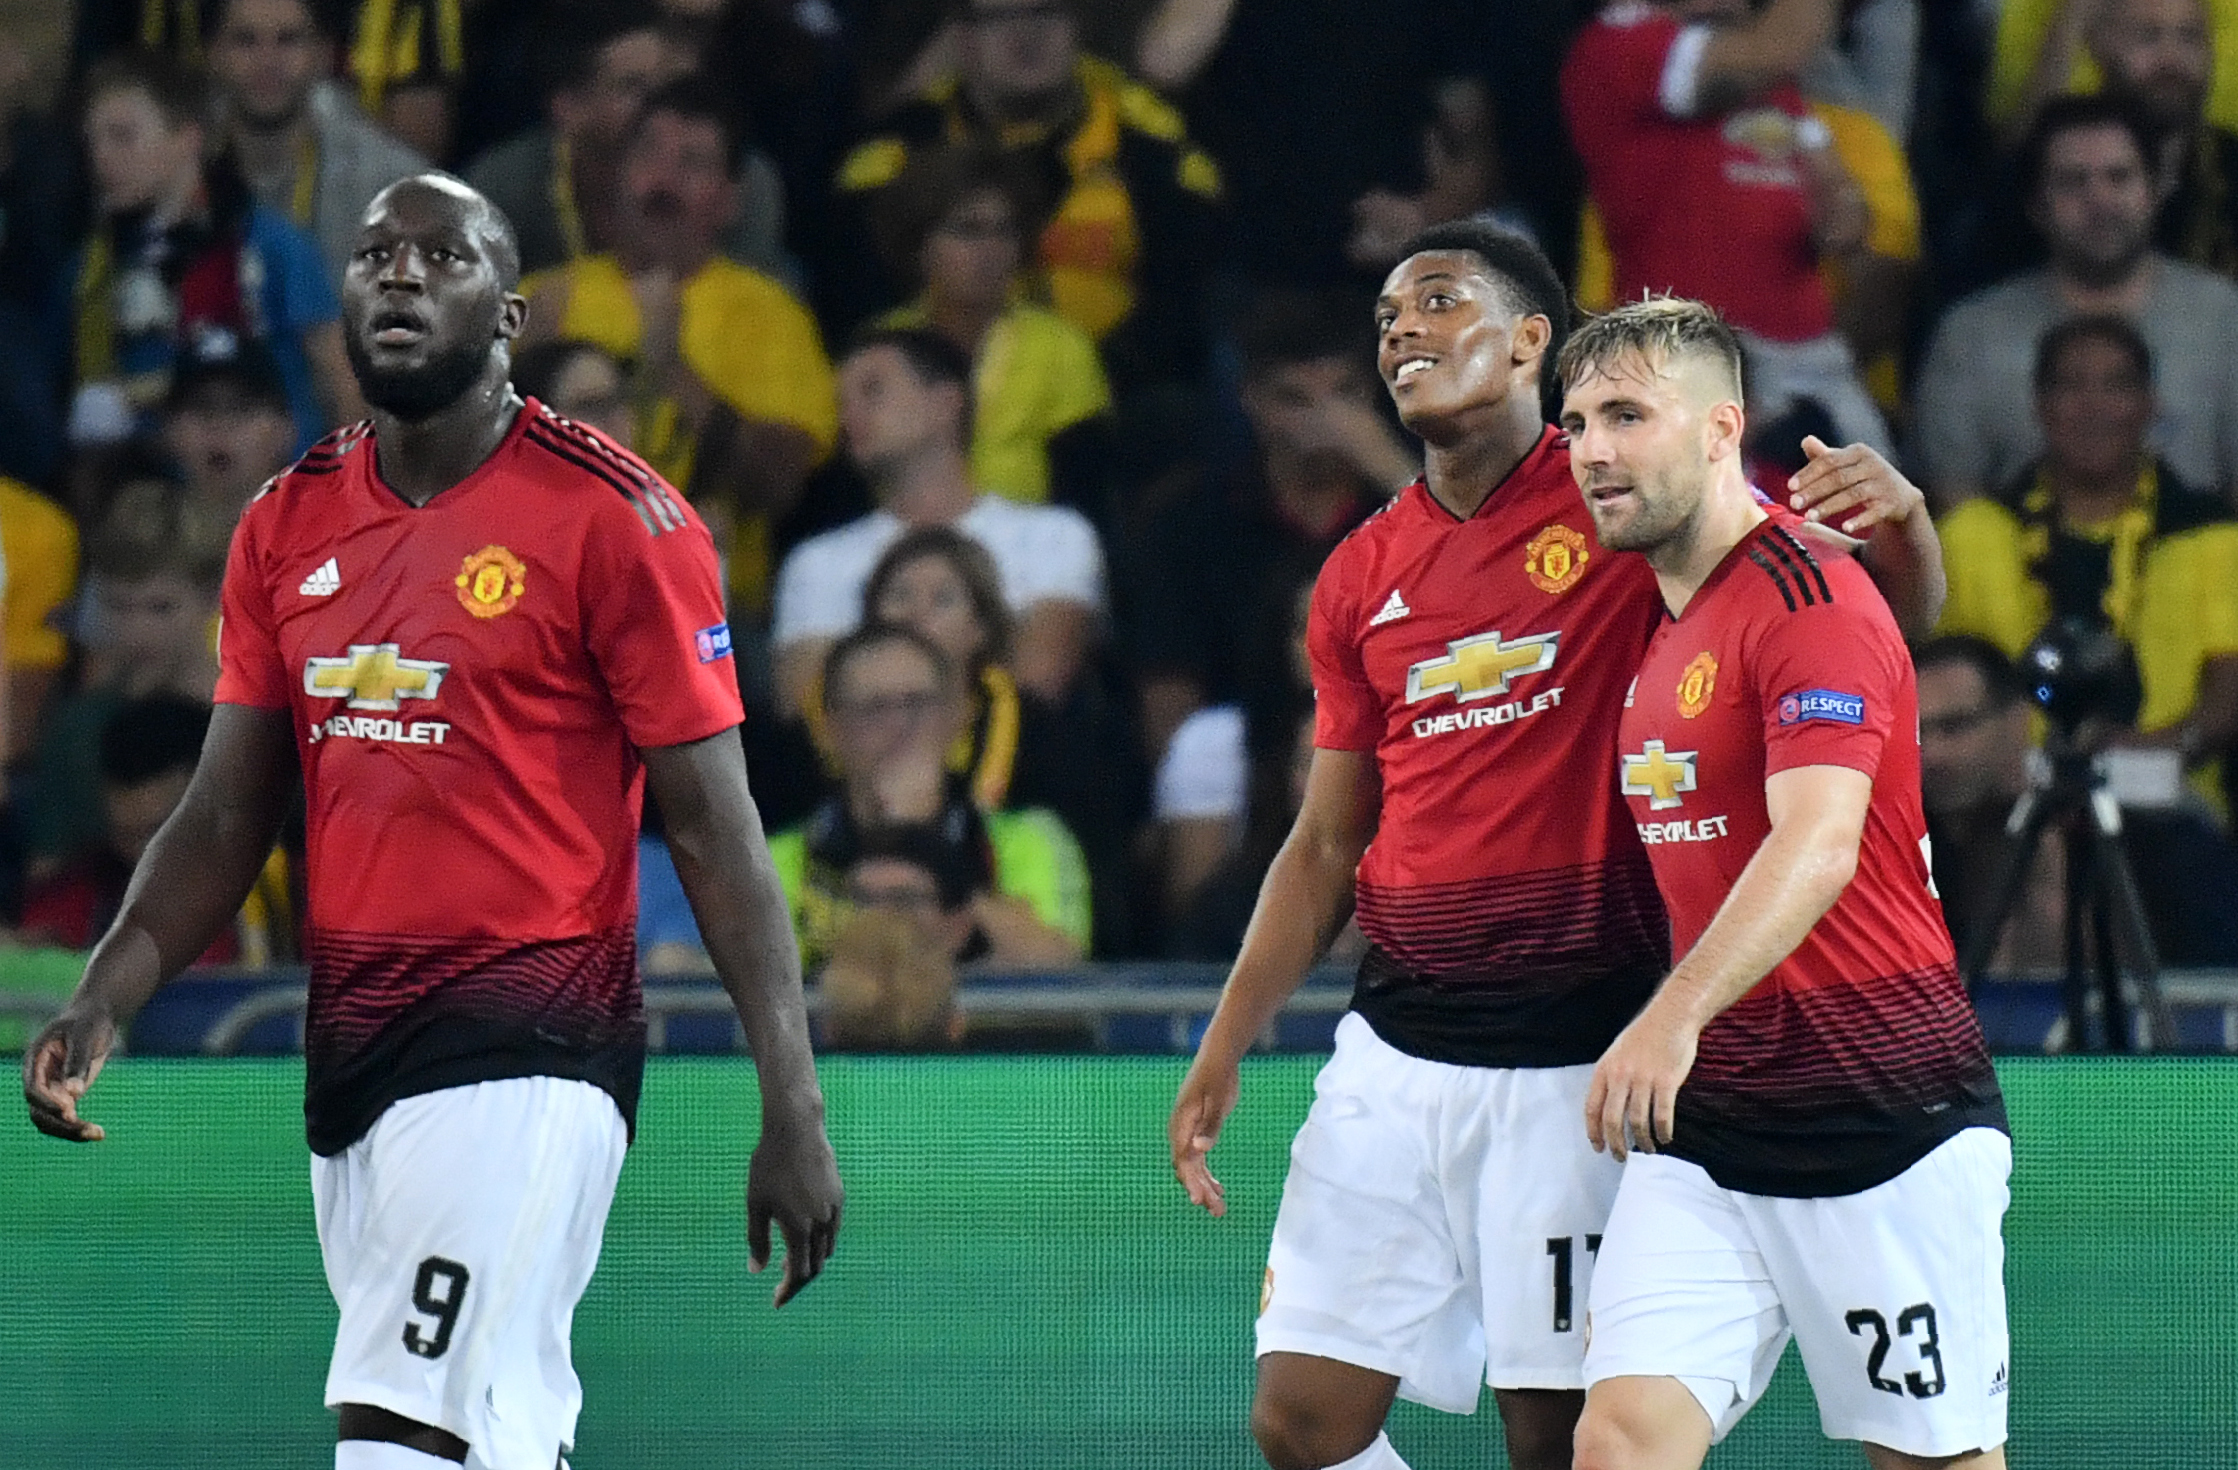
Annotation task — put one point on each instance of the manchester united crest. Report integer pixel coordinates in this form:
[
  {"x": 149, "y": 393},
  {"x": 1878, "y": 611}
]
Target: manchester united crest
[
  {"x": 1696, "y": 685},
  {"x": 490, "y": 582},
  {"x": 1555, "y": 558}
]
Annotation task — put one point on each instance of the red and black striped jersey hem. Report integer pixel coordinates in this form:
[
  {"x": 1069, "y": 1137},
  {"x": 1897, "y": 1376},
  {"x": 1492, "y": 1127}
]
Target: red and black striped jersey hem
[
  {"x": 1562, "y": 1019},
  {"x": 653, "y": 501},
  {"x": 1792, "y": 568}
]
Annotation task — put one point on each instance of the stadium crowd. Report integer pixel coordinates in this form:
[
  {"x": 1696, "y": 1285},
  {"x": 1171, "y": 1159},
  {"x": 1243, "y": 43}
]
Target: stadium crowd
[{"x": 1020, "y": 355}]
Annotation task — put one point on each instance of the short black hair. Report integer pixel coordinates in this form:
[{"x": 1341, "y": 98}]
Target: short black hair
[
  {"x": 1515, "y": 261},
  {"x": 2117, "y": 331},
  {"x": 576, "y": 32},
  {"x": 2072, "y": 114},
  {"x": 154, "y": 735},
  {"x": 877, "y": 635},
  {"x": 695, "y": 97},
  {"x": 1288, "y": 327},
  {"x": 503, "y": 241},
  {"x": 935, "y": 360},
  {"x": 2000, "y": 676}
]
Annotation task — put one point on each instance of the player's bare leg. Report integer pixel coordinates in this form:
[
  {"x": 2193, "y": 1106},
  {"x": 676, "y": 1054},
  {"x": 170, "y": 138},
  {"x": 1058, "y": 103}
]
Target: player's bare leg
[
  {"x": 1540, "y": 1424},
  {"x": 1642, "y": 1423},
  {"x": 1881, "y": 1457},
  {"x": 1311, "y": 1413},
  {"x": 379, "y": 1439}
]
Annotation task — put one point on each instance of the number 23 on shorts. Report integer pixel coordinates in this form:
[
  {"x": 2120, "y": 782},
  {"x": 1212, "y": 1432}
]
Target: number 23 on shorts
[{"x": 1914, "y": 1321}]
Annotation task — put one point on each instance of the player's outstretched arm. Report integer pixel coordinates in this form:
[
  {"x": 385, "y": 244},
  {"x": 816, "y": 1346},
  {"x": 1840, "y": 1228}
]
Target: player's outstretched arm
[
  {"x": 1807, "y": 859},
  {"x": 715, "y": 837},
  {"x": 187, "y": 889},
  {"x": 1856, "y": 492},
  {"x": 1305, "y": 899}
]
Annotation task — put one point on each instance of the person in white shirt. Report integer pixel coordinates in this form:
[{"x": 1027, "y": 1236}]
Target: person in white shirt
[{"x": 904, "y": 415}]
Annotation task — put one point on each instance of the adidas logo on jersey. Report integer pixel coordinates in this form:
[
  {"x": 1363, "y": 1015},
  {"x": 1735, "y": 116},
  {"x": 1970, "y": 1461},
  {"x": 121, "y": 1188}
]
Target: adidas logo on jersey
[
  {"x": 1393, "y": 610},
  {"x": 1998, "y": 1384},
  {"x": 324, "y": 582}
]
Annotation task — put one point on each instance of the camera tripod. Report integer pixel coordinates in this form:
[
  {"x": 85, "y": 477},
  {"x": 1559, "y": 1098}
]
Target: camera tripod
[{"x": 2105, "y": 918}]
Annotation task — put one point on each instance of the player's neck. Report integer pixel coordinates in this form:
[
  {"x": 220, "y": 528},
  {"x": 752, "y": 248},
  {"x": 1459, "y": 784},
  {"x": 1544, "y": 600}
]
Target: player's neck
[
  {"x": 1463, "y": 472},
  {"x": 420, "y": 460},
  {"x": 1683, "y": 563},
  {"x": 931, "y": 489}
]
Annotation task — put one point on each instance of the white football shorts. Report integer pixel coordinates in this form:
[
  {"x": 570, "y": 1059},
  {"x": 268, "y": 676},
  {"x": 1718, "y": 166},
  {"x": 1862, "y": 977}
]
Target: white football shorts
[
  {"x": 1895, "y": 1296},
  {"x": 1439, "y": 1224},
  {"x": 458, "y": 1235}
]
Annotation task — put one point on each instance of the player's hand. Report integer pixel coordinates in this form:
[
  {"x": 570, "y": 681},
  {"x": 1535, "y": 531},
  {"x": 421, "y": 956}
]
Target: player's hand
[
  {"x": 1633, "y": 1101},
  {"x": 1208, "y": 1094},
  {"x": 793, "y": 1180},
  {"x": 58, "y": 1067},
  {"x": 1852, "y": 489}
]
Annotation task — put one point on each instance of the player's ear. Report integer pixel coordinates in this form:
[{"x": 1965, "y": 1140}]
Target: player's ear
[
  {"x": 1533, "y": 335},
  {"x": 1725, "y": 424},
  {"x": 512, "y": 316}
]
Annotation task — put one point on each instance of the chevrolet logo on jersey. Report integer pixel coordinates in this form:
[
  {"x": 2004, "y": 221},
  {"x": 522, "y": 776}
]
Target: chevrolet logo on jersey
[
  {"x": 373, "y": 677},
  {"x": 1659, "y": 775},
  {"x": 1481, "y": 666}
]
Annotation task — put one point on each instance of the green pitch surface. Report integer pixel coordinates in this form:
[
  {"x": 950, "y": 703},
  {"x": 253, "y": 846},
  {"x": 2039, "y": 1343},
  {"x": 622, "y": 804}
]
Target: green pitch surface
[{"x": 1018, "y": 1283}]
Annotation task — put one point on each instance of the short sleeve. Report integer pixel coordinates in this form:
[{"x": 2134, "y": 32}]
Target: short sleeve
[
  {"x": 2214, "y": 554},
  {"x": 1829, "y": 677},
  {"x": 1346, "y": 713},
  {"x": 250, "y": 669},
  {"x": 819, "y": 592},
  {"x": 758, "y": 350},
  {"x": 1054, "y": 556},
  {"x": 1985, "y": 566},
  {"x": 653, "y": 617},
  {"x": 1205, "y": 772},
  {"x": 1037, "y": 859},
  {"x": 1622, "y": 68}
]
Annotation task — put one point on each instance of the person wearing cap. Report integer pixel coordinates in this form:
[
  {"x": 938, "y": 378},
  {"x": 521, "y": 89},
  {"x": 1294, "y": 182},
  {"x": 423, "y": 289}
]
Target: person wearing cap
[{"x": 226, "y": 427}]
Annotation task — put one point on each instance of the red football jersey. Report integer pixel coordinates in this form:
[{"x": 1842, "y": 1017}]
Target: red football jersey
[
  {"x": 1708, "y": 207},
  {"x": 1511, "y": 912},
  {"x": 470, "y": 682},
  {"x": 1859, "y": 1052}
]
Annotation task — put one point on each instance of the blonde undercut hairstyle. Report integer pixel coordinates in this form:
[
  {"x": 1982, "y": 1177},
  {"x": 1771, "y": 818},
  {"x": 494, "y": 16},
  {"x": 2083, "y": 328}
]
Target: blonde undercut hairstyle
[{"x": 1657, "y": 329}]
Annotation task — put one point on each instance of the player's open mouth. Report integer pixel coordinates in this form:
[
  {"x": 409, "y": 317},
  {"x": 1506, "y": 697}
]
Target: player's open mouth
[
  {"x": 1607, "y": 494},
  {"x": 394, "y": 328},
  {"x": 1410, "y": 367}
]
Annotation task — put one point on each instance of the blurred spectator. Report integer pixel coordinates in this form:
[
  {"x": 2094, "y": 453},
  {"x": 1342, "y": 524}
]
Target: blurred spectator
[
  {"x": 1461, "y": 176},
  {"x": 183, "y": 255},
  {"x": 562, "y": 184},
  {"x": 1210, "y": 569},
  {"x": 581, "y": 381},
  {"x": 39, "y": 566},
  {"x": 2044, "y": 48},
  {"x": 1870, "y": 287},
  {"x": 1079, "y": 760},
  {"x": 1715, "y": 180},
  {"x": 147, "y": 625},
  {"x": 1873, "y": 65},
  {"x": 37, "y": 208},
  {"x": 894, "y": 706},
  {"x": 959, "y": 223},
  {"x": 890, "y": 984},
  {"x": 2091, "y": 197},
  {"x": 2155, "y": 56},
  {"x": 1123, "y": 255},
  {"x": 306, "y": 152},
  {"x": 2100, "y": 528},
  {"x": 1228, "y": 786},
  {"x": 407, "y": 57},
  {"x": 905, "y": 397},
  {"x": 226, "y": 428},
  {"x": 1975, "y": 761},
  {"x": 148, "y": 748},
  {"x": 734, "y": 394},
  {"x": 1345, "y": 121}
]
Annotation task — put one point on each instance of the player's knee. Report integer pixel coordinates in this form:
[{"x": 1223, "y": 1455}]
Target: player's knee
[
  {"x": 1605, "y": 1442},
  {"x": 1296, "y": 1433},
  {"x": 1540, "y": 1426}
]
